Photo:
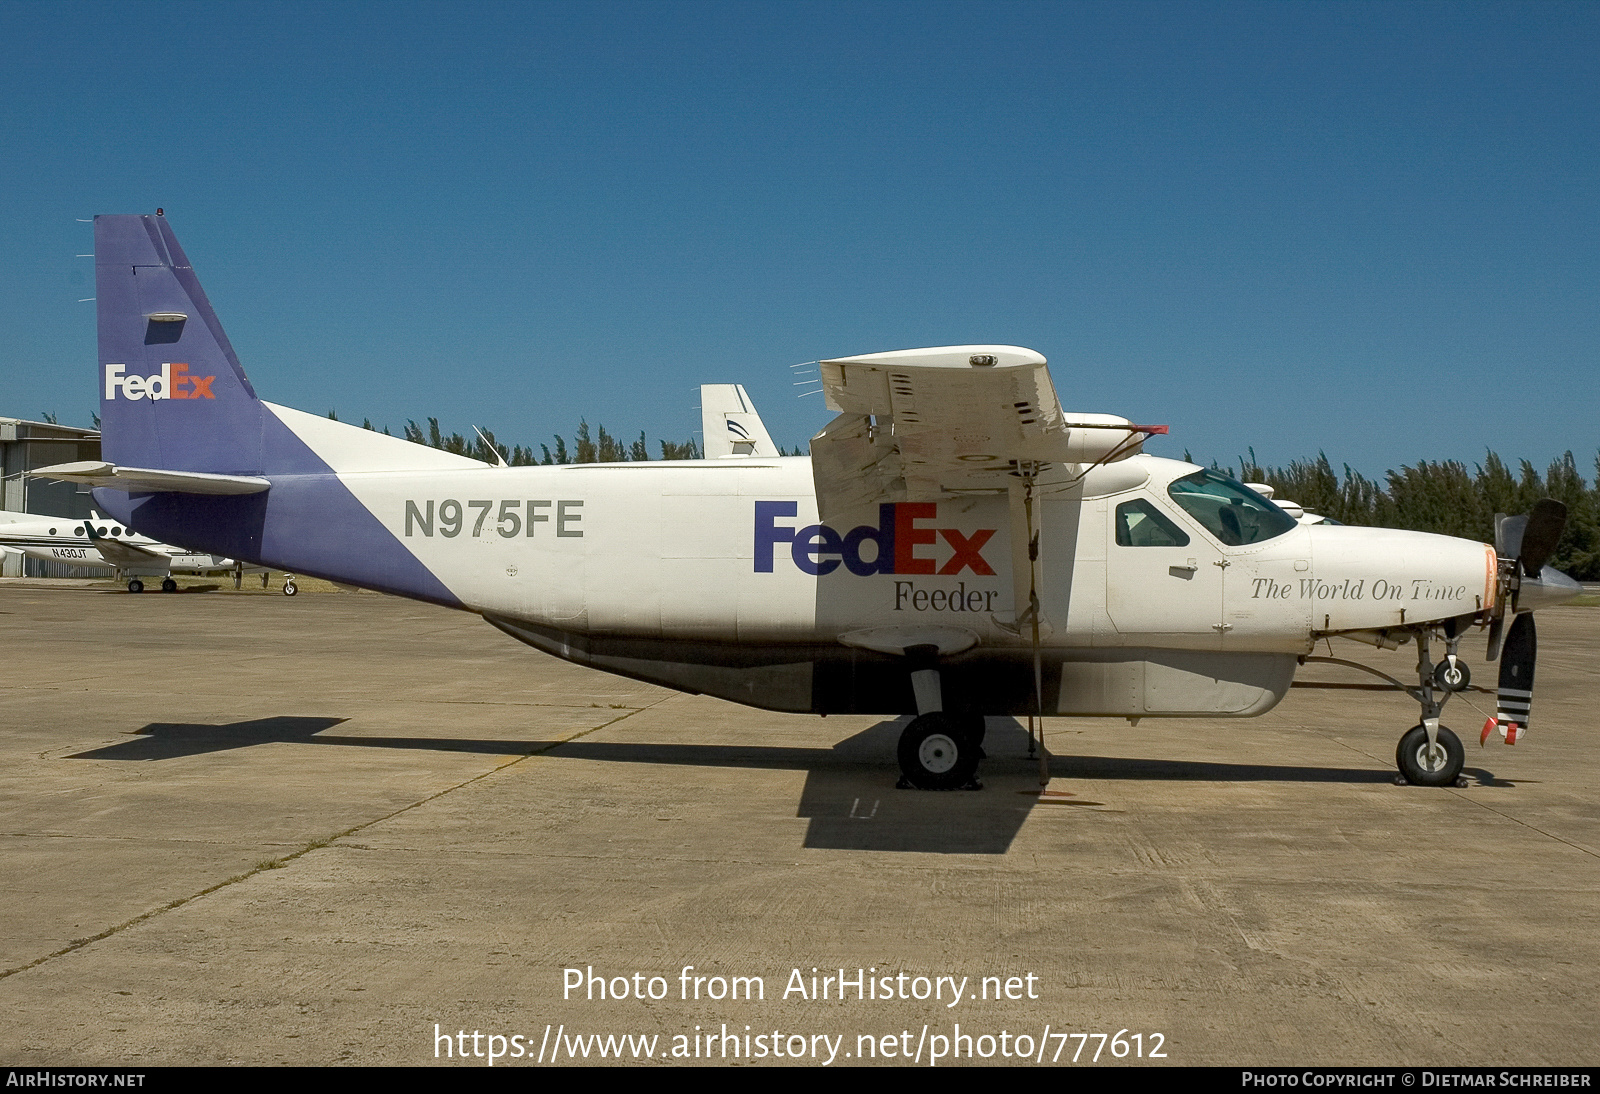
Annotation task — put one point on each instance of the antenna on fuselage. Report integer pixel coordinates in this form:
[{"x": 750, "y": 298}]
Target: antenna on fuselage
[{"x": 499, "y": 460}]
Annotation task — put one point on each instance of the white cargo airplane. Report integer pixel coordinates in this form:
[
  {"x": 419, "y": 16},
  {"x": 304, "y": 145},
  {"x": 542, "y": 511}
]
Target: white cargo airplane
[
  {"x": 957, "y": 545},
  {"x": 101, "y": 542}
]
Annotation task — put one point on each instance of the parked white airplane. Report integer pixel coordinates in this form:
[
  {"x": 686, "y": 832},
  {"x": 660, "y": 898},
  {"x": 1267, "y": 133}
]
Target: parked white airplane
[
  {"x": 1293, "y": 508},
  {"x": 98, "y": 541},
  {"x": 957, "y": 545}
]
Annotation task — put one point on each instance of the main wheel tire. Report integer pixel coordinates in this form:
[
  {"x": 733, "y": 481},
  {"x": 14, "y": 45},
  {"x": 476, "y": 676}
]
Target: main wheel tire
[
  {"x": 169, "y": 586},
  {"x": 936, "y": 753},
  {"x": 1452, "y": 677},
  {"x": 1421, "y": 766},
  {"x": 975, "y": 728},
  {"x": 136, "y": 586}
]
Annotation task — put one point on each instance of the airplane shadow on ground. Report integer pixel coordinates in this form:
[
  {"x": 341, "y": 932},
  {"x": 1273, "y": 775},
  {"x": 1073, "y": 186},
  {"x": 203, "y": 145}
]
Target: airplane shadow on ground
[{"x": 849, "y": 796}]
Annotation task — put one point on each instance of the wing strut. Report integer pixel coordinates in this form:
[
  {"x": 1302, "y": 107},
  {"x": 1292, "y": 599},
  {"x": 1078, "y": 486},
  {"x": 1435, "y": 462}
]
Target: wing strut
[{"x": 1030, "y": 472}]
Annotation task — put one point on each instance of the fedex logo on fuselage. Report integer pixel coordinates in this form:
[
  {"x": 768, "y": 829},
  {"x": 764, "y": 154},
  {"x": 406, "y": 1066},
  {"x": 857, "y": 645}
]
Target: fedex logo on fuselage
[
  {"x": 172, "y": 382},
  {"x": 818, "y": 549}
]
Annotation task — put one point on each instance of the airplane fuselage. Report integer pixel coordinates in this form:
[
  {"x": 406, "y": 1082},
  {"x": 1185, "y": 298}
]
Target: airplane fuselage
[{"x": 716, "y": 576}]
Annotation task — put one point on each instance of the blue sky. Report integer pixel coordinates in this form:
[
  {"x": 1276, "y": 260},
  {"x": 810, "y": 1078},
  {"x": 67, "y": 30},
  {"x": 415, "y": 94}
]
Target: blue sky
[{"x": 1365, "y": 229}]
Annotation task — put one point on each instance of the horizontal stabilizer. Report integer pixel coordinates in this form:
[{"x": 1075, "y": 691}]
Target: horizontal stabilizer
[{"x": 151, "y": 480}]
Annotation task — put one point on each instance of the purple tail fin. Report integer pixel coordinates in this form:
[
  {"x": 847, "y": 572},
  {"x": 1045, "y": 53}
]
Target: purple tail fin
[
  {"x": 173, "y": 398},
  {"x": 172, "y": 394}
]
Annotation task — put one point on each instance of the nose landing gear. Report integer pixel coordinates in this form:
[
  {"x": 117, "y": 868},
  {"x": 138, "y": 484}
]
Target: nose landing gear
[
  {"x": 1425, "y": 762},
  {"x": 1429, "y": 754}
]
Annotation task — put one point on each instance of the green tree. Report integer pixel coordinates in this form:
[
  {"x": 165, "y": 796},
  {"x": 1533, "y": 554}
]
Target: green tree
[
  {"x": 688, "y": 450},
  {"x": 609, "y": 449},
  {"x": 1439, "y": 497},
  {"x": 1578, "y": 550}
]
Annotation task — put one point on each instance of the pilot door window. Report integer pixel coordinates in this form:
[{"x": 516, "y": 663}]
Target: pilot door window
[{"x": 1141, "y": 524}]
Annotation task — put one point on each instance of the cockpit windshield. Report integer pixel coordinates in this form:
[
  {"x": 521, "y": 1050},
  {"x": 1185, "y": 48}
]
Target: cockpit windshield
[{"x": 1230, "y": 510}]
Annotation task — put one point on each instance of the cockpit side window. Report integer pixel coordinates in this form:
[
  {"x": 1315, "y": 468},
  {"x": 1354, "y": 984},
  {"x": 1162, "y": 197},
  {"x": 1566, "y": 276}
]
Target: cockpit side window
[
  {"x": 1141, "y": 524},
  {"x": 1230, "y": 510}
]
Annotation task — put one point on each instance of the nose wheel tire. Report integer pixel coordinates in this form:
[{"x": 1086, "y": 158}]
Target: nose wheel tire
[
  {"x": 289, "y": 588},
  {"x": 937, "y": 752},
  {"x": 1422, "y": 765},
  {"x": 1454, "y": 677}
]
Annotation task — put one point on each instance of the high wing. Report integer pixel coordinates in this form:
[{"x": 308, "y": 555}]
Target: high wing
[{"x": 926, "y": 424}]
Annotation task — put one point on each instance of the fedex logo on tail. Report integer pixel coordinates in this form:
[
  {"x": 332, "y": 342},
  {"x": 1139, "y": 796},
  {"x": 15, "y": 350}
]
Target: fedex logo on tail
[
  {"x": 896, "y": 540},
  {"x": 172, "y": 382}
]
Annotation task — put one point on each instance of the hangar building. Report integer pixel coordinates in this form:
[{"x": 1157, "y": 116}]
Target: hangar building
[{"x": 26, "y": 446}]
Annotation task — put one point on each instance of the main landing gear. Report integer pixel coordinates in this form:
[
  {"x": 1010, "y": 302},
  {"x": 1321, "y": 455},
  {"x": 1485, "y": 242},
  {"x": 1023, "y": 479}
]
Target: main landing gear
[
  {"x": 1429, "y": 754},
  {"x": 167, "y": 585},
  {"x": 940, "y": 751}
]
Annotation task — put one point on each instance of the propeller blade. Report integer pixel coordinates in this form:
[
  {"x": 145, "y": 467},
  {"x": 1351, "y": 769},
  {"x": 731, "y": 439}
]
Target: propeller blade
[
  {"x": 1496, "y": 628},
  {"x": 1516, "y": 682},
  {"x": 1508, "y": 534},
  {"x": 1541, "y": 533}
]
